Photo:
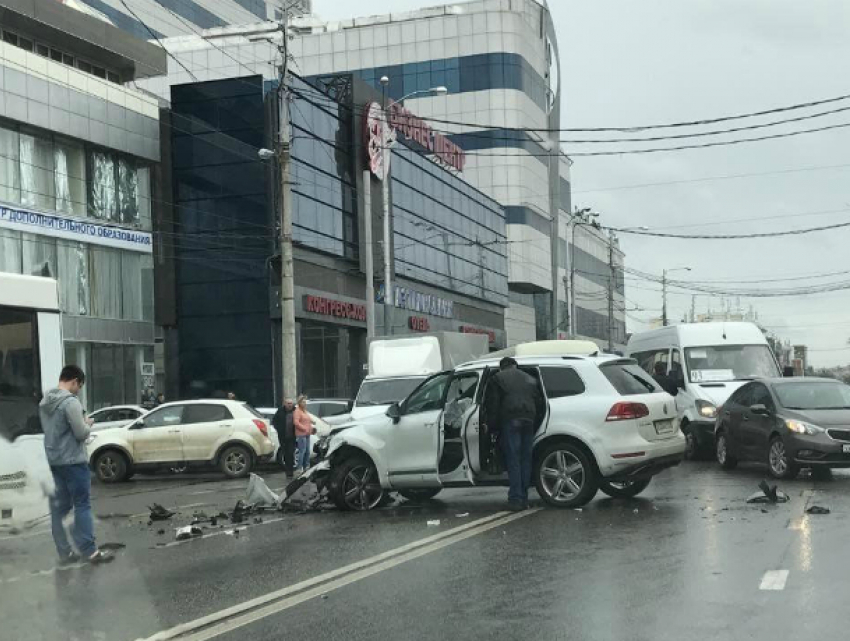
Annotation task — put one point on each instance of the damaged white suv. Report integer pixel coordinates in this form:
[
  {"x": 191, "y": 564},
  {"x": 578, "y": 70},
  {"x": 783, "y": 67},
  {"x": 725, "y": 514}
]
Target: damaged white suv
[{"x": 607, "y": 426}]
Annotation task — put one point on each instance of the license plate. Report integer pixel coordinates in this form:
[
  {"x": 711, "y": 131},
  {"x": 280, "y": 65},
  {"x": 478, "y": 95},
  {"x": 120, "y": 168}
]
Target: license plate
[
  {"x": 845, "y": 448},
  {"x": 664, "y": 427}
]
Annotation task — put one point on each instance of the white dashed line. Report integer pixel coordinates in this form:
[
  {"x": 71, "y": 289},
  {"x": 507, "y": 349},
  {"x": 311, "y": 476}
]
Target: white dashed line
[{"x": 774, "y": 580}]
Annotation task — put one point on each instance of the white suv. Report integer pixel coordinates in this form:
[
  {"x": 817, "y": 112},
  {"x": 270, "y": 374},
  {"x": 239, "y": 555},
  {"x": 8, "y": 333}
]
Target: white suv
[
  {"x": 607, "y": 426},
  {"x": 229, "y": 435}
]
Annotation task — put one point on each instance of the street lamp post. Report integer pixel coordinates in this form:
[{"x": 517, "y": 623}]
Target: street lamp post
[
  {"x": 664, "y": 322},
  {"x": 385, "y": 157}
]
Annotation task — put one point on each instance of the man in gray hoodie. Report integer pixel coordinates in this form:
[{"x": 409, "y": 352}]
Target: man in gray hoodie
[{"x": 65, "y": 434}]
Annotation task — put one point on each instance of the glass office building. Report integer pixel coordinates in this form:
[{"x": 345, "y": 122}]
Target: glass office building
[{"x": 78, "y": 154}]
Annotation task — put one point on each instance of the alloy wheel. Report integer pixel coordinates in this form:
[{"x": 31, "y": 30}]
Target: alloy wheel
[
  {"x": 361, "y": 488},
  {"x": 235, "y": 462},
  {"x": 778, "y": 457},
  {"x": 562, "y": 475},
  {"x": 108, "y": 467}
]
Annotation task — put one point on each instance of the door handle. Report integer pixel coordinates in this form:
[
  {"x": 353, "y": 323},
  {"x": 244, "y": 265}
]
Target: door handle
[
  {"x": 430, "y": 424},
  {"x": 173, "y": 431},
  {"x": 226, "y": 425}
]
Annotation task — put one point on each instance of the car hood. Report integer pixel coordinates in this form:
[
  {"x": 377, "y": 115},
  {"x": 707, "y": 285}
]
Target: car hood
[
  {"x": 365, "y": 424},
  {"x": 717, "y": 393},
  {"x": 821, "y": 418}
]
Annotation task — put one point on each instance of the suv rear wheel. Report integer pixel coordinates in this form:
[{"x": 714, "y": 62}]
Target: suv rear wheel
[
  {"x": 354, "y": 485},
  {"x": 565, "y": 476},
  {"x": 236, "y": 462},
  {"x": 624, "y": 489}
]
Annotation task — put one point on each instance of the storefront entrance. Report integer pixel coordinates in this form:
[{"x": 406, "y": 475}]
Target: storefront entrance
[{"x": 331, "y": 359}]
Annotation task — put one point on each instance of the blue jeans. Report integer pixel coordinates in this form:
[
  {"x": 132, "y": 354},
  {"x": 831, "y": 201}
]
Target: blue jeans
[
  {"x": 517, "y": 438},
  {"x": 73, "y": 491},
  {"x": 302, "y": 454}
]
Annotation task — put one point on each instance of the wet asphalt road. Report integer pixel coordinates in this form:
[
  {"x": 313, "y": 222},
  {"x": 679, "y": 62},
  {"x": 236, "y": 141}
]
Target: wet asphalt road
[{"x": 688, "y": 559}]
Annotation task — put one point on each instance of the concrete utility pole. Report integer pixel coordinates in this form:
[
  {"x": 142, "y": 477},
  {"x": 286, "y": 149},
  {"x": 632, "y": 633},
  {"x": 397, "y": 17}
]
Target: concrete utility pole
[
  {"x": 370, "y": 263},
  {"x": 611, "y": 290},
  {"x": 664, "y": 298},
  {"x": 287, "y": 280},
  {"x": 385, "y": 184},
  {"x": 568, "y": 321}
]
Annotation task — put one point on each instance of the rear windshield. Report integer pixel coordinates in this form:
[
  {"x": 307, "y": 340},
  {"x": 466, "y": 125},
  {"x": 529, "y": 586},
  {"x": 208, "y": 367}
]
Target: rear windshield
[
  {"x": 629, "y": 379},
  {"x": 254, "y": 412}
]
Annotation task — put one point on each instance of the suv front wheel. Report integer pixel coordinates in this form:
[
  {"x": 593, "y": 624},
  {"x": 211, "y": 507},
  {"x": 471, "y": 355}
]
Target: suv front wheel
[
  {"x": 565, "y": 476},
  {"x": 354, "y": 485}
]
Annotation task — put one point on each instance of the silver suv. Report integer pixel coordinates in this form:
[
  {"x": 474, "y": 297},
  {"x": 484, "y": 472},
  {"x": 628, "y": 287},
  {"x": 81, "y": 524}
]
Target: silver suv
[{"x": 607, "y": 426}]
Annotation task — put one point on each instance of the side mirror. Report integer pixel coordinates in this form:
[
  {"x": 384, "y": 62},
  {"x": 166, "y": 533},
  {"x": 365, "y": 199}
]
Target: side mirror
[
  {"x": 139, "y": 424},
  {"x": 394, "y": 412},
  {"x": 760, "y": 409}
]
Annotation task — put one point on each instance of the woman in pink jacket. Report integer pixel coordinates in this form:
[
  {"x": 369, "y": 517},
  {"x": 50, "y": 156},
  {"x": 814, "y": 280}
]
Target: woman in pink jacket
[{"x": 303, "y": 430}]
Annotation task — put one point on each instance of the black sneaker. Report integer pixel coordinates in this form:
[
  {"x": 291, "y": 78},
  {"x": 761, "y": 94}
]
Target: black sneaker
[
  {"x": 69, "y": 559},
  {"x": 515, "y": 506},
  {"x": 100, "y": 557}
]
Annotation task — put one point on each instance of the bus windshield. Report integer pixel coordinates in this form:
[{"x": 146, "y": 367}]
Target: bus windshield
[{"x": 719, "y": 363}]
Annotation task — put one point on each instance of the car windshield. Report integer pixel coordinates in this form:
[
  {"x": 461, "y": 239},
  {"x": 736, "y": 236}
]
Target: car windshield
[
  {"x": 385, "y": 392},
  {"x": 719, "y": 363},
  {"x": 814, "y": 396}
]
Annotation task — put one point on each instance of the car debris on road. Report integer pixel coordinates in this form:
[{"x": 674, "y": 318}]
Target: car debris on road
[
  {"x": 188, "y": 532},
  {"x": 768, "y": 494},
  {"x": 817, "y": 509},
  {"x": 159, "y": 513}
]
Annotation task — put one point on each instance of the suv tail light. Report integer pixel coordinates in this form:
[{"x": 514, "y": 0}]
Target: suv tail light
[
  {"x": 261, "y": 425},
  {"x": 626, "y": 411}
]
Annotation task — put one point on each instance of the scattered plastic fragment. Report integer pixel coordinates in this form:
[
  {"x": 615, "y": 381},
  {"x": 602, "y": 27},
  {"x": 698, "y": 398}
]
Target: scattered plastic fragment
[
  {"x": 188, "y": 532},
  {"x": 160, "y": 532},
  {"x": 159, "y": 513},
  {"x": 434, "y": 522},
  {"x": 578, "y": 509},
  {"x": 259, "y": 493},
  {"x": 462, "y": 516},
  {"x": 817, "y": 509},
  {"x": 111, "y": 546}
]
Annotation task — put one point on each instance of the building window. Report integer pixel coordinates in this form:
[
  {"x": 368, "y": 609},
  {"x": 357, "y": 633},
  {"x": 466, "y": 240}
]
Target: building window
[
  {"x": 74, "y": 291},
  {"x": 102, "y": 198},
  {"x": 10, "y": 251},
  {"x": 105, "y": 282},
  {"x": 38, "y": 255},
  {"x": 70, "y": 163},
  {"x": 10, "y": 176},
  {"x": 143, "y": 194},
  {"x": 37, "y": 188},
  {"x": 128, "y": 193}
]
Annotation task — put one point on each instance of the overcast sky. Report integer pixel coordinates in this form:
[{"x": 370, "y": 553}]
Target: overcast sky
[{"x": 632, "y": 63}]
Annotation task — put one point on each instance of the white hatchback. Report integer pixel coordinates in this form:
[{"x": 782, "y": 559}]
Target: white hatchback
[
  {"x": 116, "y": 416},
  {"x": 229, "y": 435},
  {"x": 607, "y": 426}
]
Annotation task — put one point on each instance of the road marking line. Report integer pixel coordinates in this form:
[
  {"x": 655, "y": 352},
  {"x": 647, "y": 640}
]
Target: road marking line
[
  {"x": 244, "y": 613},
  {"x": 774, "y": 580}
]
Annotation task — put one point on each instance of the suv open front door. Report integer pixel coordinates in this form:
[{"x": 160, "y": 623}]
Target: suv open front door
[{"x": 413, "y": 452}]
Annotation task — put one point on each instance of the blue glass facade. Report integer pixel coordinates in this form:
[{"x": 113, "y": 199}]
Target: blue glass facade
[
  {"x": 461, "y": 74},
  {"x": 223, "y": 238},
  {"x": 324, "y": 188},
  {"x": 446, "y": 233}
]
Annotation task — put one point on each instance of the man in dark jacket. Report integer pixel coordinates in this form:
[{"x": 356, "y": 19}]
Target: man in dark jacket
[
  {"x": 665, "y": 380},
  {"x": 65, "y": 434},
  {"x": 514, "y": 405},
  {"x": 283, "y": 423}
]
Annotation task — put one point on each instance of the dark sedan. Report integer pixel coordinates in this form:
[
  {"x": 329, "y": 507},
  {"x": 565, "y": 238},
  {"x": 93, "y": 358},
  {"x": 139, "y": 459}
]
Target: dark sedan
[{"x": 788, "y": 423}]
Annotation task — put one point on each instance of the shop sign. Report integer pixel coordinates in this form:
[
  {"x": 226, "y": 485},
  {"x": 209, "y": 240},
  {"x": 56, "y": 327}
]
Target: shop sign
[
  {"x": 74, "y": 229},
  {"x": 381, "y": 131},
  {"x": 419, "y": 324},
  {"x": 468, "y": 329},
  {"x": 414, "y": 301},
  {"x": 334, "y": 308}
]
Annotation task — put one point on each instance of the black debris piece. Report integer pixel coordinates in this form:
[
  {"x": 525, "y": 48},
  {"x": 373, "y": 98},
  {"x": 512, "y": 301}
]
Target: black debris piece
[
  {"x": 258, "y": 519},
  {"x": 160, "y": 532},
  {"x": 214, "y": 521},
  {"x": 817, "y": 509},
  {"x": 159, "y": 513},
  {"x": 240, "y": 511},
  {"x": 768, "y": 494},
  {"x": 765, "y": 511},
  {"x": 111, "y": 546}
]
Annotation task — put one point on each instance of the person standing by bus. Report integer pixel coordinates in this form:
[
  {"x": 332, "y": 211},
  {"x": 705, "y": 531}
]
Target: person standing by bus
[
  {"x": 303, "y": 431},
  {"x": 65, "y": 434}
]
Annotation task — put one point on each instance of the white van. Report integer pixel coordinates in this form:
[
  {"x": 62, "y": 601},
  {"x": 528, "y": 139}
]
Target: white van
[{"x": 708, "y": 361}]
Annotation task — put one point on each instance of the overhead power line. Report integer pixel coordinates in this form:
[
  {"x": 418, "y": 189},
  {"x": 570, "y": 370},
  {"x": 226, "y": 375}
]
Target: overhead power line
[{"x": 789, "y": 232}]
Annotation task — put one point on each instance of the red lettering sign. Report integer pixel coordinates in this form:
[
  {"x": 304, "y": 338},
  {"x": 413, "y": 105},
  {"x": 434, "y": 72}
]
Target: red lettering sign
[
  {"x": 468, "y": 329},
  {"x": 418, "y": 324},
  {"x": 418, "y": 130},
  {"x": 335, "y": 308}
]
